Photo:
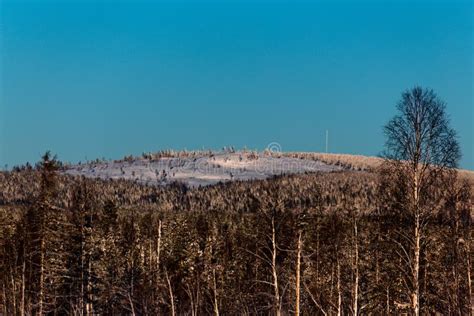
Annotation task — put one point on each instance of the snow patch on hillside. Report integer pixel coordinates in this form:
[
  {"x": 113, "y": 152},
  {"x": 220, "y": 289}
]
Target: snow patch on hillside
[{"x": 200, "y": 171}]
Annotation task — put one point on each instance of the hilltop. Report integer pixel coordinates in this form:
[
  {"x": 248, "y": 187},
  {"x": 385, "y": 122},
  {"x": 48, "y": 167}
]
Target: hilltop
[{"x": 201, "y": 168}]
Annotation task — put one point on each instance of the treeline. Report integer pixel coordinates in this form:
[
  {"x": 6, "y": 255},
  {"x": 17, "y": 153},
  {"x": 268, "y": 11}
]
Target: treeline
[{"x": 311, "y": 244}]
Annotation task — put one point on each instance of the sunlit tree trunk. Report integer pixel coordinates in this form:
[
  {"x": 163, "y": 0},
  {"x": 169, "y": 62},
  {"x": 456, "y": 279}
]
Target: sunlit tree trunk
[
  {"x": 89, "y": 306},
  {"x": 388, "y": 301},
  {"x": 22, "y": 298},
  {"x": 216, "y": 302},
  {"x": 41, "y": 277},
  {"x": 339, "y": 292},
  {"x": 469, "y": 284},
  {"x": 158, "y": 252},
  {"x": 416, "y": 258},
  {"x": 82, "y": 294},
  {"x": 356, "y": 270},
  {"x": 298, "y": 272},
  {"x": 170, "y": 290},
  {"x": 274, "y": 271},
  {"x": 13, "y": 294}
]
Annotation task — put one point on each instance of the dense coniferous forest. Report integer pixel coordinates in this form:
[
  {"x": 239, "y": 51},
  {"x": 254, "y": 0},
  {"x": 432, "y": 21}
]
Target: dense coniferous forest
[
  {"x": 85, "y": 246},
  {"x": 395, "y": 239}
]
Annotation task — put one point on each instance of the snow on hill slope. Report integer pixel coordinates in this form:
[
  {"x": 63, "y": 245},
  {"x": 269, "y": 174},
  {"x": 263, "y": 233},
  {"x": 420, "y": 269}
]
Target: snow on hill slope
[{"x": 203, "y": 169}]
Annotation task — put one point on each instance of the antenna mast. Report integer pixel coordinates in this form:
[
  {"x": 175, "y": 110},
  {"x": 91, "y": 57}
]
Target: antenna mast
[{"x": 327, "y": 140}]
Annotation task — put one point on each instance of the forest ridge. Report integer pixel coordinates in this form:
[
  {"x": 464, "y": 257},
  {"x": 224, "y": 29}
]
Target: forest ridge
[{"x": 355, "y": 236}]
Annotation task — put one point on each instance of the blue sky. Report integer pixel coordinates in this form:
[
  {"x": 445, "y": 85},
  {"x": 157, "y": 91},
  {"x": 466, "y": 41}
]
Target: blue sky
[{"x": 91, "y": 79}]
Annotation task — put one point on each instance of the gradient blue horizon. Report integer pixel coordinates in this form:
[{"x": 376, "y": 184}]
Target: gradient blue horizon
[{"x": 104, "y": 79}]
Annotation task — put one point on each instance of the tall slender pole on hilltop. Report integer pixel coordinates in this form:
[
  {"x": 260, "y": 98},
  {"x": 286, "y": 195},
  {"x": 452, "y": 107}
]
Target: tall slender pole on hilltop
[{"x": 327, "y": 140}]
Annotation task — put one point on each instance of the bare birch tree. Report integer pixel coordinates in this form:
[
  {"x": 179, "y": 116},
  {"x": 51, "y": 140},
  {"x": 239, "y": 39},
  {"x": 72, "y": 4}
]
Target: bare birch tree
[{"x": 421, "y": 148}]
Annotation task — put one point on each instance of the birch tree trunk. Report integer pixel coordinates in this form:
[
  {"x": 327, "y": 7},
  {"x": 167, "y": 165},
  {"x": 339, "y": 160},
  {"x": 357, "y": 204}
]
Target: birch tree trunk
[
  {"x": 41, "y": 277},
  {"x": 89, "y": 307},
  {"x": 216, "y": 303},
  {"x": 173, "y": 312},
  {"x": 274, "y": 271},
  {"x": 356, "y": 270},
  {"x": 416, "y": 258},
  {"x": 13, "y": 293},
  {"x": 339, "y": 294},
  {"x": 81, "y": 298},
  {"x": 22, "y": 298},
  {"x": 158, "y": 246},
  {"x": 469, "y": 284},
  {"x": 298, "y": 271}
]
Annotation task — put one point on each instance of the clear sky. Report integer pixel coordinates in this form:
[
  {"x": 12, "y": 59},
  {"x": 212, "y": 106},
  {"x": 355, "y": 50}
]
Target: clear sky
[{"x": 91, "y": 79}]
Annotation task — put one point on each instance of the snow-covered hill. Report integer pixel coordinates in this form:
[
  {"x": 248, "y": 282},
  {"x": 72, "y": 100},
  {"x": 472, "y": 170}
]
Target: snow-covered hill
[{"x": 202, "y": 169}]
